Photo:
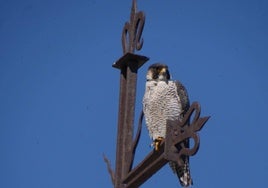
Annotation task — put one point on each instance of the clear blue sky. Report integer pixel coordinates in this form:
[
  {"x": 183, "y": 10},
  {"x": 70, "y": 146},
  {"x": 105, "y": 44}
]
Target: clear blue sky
[{"x": 59, "y": 93}]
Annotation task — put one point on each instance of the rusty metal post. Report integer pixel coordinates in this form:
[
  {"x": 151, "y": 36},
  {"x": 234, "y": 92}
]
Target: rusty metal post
[
  {"x": 120, "y": 135},
  {"x": 132, "y": 70},
  {"x": 177, "y": 131},
  {"x": 129, "y": 65}
]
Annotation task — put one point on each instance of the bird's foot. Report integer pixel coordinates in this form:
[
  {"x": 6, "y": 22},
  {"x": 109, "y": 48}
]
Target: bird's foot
[{"x": 157, "y": 143}]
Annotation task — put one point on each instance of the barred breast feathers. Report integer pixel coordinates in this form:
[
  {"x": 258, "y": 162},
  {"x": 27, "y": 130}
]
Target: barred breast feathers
[
  {"x": 161, "y": 102},
  {"x": 167, "y": 100}
]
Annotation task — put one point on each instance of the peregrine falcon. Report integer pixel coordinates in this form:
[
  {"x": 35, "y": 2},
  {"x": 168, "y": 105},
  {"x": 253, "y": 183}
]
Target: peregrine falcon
[{"x": 165, "y": 99}]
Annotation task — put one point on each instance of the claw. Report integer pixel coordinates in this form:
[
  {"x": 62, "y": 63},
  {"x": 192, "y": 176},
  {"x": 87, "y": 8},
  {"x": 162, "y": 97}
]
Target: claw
[{"x": 157, "y": 143}]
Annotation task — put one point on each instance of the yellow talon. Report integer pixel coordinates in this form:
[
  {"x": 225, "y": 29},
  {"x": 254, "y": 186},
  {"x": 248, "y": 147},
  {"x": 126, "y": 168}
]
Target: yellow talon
[{"x": 157, "y": 143}]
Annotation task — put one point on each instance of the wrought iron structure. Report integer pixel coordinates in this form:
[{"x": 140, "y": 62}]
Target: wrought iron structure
[{"x": 124, "y": 175}]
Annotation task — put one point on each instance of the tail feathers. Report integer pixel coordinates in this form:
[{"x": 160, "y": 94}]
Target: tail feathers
[{"x": 183, "y": 173}]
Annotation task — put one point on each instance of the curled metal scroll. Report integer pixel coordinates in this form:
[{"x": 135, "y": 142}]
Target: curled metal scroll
[
  {"x": 132, "y": 31},
  {"x": 178, "y": 131}
]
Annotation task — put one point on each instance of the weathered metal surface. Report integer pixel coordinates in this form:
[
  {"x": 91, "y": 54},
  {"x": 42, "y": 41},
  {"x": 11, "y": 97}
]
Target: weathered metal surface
[
  {"x": 120, "y": 162},
  {"x": 124, "y": 176},
  {"x": 178, "y": 131},
  {"x": 128, "y": 59},
  {"x": 154, "y": 161},
  {"x": 132, "y": 31},
  {"x": 128, "y": 65},
  {"x": 129, "y": 115}
]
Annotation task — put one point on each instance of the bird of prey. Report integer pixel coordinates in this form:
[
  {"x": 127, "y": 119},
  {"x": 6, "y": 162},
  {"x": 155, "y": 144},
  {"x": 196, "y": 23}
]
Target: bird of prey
[{"x": 165, "y": 99}]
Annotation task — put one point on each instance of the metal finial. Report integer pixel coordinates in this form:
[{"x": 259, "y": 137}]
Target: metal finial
[{"x": 132, "y": 30}]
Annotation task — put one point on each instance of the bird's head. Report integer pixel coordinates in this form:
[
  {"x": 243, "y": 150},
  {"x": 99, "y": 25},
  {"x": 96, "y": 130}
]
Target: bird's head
[{"x": 158, "y": 72}]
